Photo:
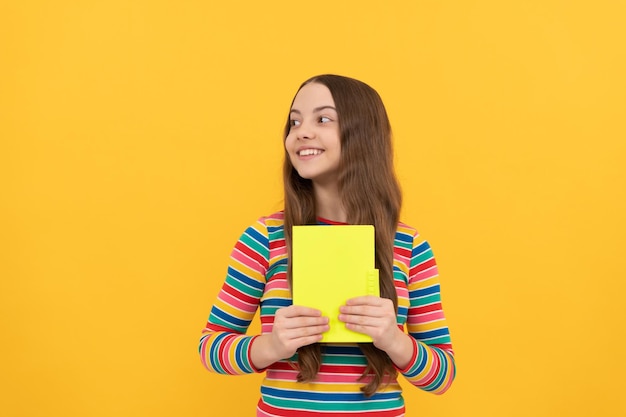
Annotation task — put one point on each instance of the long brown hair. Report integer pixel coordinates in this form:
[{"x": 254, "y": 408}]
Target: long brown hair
[{"x": 370, "y": 195}]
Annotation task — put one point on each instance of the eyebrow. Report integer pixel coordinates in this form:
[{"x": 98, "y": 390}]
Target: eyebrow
[{"x": 315, "y": 110}]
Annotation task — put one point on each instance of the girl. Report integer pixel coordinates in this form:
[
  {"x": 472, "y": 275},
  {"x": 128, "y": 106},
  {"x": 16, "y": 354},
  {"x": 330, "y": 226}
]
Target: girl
[{"x": 338, "y": 169}]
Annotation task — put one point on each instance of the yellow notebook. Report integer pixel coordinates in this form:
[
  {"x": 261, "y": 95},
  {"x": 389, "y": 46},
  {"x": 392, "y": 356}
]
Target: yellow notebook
[{"x": 330, "y": 265}]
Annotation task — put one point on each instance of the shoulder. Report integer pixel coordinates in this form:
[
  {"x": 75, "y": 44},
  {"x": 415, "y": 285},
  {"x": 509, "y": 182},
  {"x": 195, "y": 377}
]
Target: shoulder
[
  {"x": 266, "y": 227},
  {"x": 406, "y": 233},
  {"x": 410, "y": 236},
  {"x": 260, "y": 236},
  {"x": 273, "y": 220},
  {"x": 405, "y": 229}
]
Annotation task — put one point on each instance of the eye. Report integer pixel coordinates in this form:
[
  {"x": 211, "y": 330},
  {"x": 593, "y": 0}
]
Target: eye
[
  {"x": 324, "y": 119},
  {"x": 294, "y": 122}
]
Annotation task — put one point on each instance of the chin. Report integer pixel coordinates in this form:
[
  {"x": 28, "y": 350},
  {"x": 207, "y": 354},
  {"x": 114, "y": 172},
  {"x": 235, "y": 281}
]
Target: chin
[{"x": 305, "y": 176}]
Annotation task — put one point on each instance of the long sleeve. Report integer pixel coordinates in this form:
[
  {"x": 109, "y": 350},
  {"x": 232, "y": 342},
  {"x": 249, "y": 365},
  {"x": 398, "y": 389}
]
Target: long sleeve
[
  {"x": 224, "y": 347},
  {"x": 433, "y": 367}
]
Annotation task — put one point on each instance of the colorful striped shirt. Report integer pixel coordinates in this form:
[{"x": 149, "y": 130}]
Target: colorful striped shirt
[{"x": 257, "y": 278}]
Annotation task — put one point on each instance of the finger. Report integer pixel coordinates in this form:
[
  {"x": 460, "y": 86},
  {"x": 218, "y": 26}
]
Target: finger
[
  {"x": 362, "y": 310},
  {"x": 304, "y": 322},
  {"x": 360, "y": 320},
  {"x": 305, "y": 341},
  {"x": 360, "y": 328},
  {"x": 365, "y": 300},
  {"x": 296, "y": 311},
  {"x": 295, "y": 338},
  {"x": 301, "y": 332}
]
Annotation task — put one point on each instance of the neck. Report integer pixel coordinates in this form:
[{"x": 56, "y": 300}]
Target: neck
[{"x": 328, "y": 203}]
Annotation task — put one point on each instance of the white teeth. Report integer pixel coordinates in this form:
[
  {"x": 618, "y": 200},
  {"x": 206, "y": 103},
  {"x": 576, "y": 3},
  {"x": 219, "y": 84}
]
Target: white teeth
[{"x": 307, "y": 152}]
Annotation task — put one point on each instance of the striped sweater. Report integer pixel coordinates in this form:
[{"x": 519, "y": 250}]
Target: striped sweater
[{"x": 257, "y": 278}]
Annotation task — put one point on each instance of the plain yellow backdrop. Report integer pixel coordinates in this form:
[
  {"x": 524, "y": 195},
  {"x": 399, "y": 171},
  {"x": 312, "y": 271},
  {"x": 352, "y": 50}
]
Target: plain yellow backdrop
[{"x": 139, "y": 138}]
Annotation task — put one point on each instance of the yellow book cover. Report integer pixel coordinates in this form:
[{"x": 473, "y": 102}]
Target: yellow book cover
[{"x": 330, "y": 264}]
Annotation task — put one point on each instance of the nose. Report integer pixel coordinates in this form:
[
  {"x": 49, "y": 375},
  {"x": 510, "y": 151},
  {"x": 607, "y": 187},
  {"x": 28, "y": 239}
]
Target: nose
[{"x": 305, "y": 131}]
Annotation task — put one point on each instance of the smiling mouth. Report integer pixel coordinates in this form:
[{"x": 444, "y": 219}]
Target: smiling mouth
[{"x": 310, "y": 152}]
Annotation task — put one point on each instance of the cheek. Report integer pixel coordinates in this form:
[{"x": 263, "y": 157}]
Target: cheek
[{"x": 289, "y": 144}]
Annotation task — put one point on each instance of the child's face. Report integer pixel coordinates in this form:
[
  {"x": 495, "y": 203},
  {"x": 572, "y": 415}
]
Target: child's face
[{"x": 313, "y": 141}]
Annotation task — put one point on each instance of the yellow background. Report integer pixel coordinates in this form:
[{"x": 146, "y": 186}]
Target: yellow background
[{"x": 139, "y": 138}]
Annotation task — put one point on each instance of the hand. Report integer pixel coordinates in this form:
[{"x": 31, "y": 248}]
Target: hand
[
  {"x": 375, "y": 317},
  {"x": 296, "y": 326}
]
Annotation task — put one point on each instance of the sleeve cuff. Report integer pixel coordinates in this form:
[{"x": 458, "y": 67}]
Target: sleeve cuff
[
  {"x": 254, "y": 368},
  {"x": 408, "y": 367}
]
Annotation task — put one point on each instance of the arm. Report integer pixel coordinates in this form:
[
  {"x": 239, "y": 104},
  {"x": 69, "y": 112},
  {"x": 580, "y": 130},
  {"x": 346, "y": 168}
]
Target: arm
[
  {"x": 424, "y": 355},
  {"x": 224, "y": 347},
  {"x": 432, "y": 366}
]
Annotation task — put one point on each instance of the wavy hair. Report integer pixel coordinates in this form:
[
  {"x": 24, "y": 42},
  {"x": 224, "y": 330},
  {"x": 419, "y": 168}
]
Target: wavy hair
[{"x": 370, "y": 194}]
